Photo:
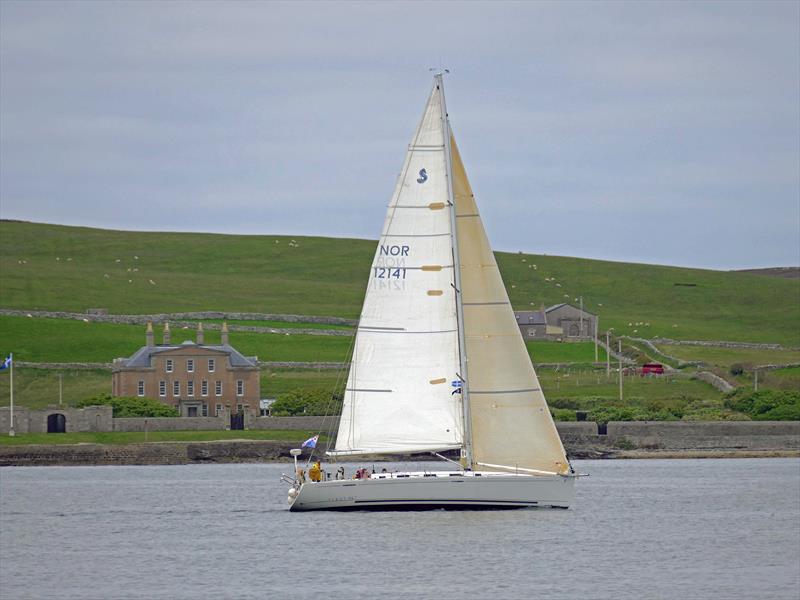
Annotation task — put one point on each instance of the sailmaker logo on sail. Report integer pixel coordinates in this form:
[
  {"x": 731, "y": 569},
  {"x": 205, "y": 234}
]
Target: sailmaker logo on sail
[{"x": 423, "y": 176}]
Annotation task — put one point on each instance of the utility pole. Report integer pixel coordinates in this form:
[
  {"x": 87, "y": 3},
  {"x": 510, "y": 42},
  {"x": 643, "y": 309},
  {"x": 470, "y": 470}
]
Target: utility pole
[
  {"x": 11, "y": 394},
  {"x": 596, "y": 319},
  {"x": 755, "y": 380},
  {"x": 619, "y": 349},
  {"x": 608, "y": 355},
  {"x": 60, "y": 388},
  {"x": 581, "y": 316}
]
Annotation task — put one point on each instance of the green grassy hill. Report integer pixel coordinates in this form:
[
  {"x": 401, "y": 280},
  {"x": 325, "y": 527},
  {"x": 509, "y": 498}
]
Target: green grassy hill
[{"x": 51, "y": 267}]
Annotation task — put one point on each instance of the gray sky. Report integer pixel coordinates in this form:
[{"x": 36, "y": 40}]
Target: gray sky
[{"x": 650, "y": 132}]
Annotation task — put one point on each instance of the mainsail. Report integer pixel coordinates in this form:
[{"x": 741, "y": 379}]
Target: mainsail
[
  {"x": 404, "y": 392},
  {"x": 399, "y": 396}
]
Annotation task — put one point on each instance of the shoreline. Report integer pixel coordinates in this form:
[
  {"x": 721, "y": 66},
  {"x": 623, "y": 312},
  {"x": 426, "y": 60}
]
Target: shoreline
[{"x": 251, "y": 451}]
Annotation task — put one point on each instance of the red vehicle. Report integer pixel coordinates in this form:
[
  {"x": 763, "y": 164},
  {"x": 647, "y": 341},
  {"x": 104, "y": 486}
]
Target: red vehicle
[{"x": 652, "y": 369}]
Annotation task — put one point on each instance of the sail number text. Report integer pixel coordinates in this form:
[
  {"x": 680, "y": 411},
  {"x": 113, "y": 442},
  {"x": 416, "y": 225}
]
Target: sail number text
[
  {"x": 389, "y": 273},
  {"x": 391, "y": 262}
]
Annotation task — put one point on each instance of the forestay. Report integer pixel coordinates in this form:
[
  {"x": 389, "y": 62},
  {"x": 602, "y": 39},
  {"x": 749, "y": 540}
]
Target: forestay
[{"x": 399, "y": 396}]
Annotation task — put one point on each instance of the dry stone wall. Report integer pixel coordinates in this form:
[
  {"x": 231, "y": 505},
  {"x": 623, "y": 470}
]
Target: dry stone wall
[{"x": 177, "y": 320}]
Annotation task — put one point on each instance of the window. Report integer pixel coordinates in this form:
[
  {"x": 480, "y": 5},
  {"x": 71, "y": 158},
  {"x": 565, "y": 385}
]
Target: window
[
  {"x": 211, "y": 365},
  {"x": 162, "y": 388},
  {"x": 176, "y": 388},
  {"x": 204, "y": 388},
  {"x": 190, "y": 388},
  {"x": 239, "y": 387},
  {"x": 169, "y": 365},
  {"x": 218, "y": 388},
  {"x": 205, "y": 410},
  {"x": 190, "y": 365},
  {"x": 218, "y": 411},
  {"x": 239, "y": 408},
  {"x": 140, "y": 389}
]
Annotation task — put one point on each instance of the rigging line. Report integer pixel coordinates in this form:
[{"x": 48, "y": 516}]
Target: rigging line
[{"x": 338, "y": 385}]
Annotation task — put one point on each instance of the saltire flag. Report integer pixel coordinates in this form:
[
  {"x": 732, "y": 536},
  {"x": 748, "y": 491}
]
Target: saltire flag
[
  {"x": 6, "y": 363},
  {"x": 311, "y": 442}
]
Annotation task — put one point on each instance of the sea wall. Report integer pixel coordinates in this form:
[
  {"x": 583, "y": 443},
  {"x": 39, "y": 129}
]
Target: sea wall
[
  {"x": 158, "y": 453},
  {"x": 705, "y": 435},
  {"x": 581, "y": 440}
]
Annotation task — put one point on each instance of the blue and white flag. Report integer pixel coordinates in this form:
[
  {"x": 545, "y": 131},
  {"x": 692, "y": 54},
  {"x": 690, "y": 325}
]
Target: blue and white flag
[
  {"x": 6, "y": 363},
  {"x": 311, "y": 442}
]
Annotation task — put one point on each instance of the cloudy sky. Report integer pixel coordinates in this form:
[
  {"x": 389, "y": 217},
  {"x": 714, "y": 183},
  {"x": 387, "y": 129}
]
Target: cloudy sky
[{"x": 664, "y": 133}]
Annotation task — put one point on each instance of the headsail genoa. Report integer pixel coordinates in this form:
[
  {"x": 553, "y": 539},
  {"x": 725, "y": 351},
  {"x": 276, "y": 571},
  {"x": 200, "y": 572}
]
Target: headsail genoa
[
  {"x": 407, "y": 335},
  {"x": 511, "y": 423}
]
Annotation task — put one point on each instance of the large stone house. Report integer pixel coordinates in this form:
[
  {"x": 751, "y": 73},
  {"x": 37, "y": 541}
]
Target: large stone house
[
  {"x": 560, "y": 321},
  {"x": 196, "y": 378}
]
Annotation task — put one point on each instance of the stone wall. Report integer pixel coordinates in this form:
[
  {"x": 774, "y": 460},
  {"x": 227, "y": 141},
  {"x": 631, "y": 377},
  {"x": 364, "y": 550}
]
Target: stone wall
[
  {"x": 718, "y": 382},
  {"x": 172, "y": 423},
  {"x": 176, "y": 319},
  {"x": 705, "y": 435},
  {"x": 94, "y": 418},
  {"x": 309, "y": 423},
  {"x": 717, "y": 344}
]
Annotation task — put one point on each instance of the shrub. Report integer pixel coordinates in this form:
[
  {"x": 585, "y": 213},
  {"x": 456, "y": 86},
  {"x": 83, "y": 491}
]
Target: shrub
[
  {"x": 766, "y": 405},
  {"x": 563, "y": 414},
  {"x": 737, "y": 369},
  {"x": 314, "y": 401},
  {"x": 129, "y": 406}
]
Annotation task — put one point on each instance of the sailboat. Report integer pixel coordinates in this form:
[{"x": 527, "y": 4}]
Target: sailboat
[{"x": 439, "y": 363}]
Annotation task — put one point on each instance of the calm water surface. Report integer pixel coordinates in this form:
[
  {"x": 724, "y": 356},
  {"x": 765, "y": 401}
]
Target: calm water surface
[{"x": 639, "y": 529}]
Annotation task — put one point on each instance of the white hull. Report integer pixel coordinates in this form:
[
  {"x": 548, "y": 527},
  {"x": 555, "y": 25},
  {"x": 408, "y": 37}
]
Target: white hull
[{"x": 417, "y": 491}]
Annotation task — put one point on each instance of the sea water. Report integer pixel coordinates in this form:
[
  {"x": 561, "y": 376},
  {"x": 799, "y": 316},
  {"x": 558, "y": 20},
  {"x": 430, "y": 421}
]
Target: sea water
[{"x": 639, "y": 529}]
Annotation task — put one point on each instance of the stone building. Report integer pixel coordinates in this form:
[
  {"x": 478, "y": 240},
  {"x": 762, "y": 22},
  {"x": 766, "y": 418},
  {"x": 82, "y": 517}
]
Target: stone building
[
  {"x": 560, "y": 321},
  {"x": 195, "y": 378}
]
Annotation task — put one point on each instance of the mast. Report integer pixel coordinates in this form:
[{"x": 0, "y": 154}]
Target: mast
[{"x": 462, "y": 353}]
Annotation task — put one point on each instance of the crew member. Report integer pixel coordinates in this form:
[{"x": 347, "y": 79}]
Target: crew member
[{"x": 315, "y": 472}]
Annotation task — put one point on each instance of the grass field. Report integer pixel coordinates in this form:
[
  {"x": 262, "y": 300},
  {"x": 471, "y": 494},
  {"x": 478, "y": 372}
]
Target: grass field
[
  {"x": 38, "y": 388},
  {"x": 668, "y": 397},
  {"x": 64, "y": 340},
  {"x": 278, "y": 381},
  {"x": 557, "y": 352},
  {"x": 725, "y": 357},
  {"x": 582, "y": 383},
  {"x": 155, "y": 436},
  {"x": 73, "y": 268},
  {"x": 281, "y": 324}
]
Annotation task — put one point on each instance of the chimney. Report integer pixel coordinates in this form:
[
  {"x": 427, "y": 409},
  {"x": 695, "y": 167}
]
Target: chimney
[
  {"x": 148, "y": 335},
  {"x": 166, "y": 334},
  {"x": 224, "y": 333},
  {"x": 200, "y": 336}
]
